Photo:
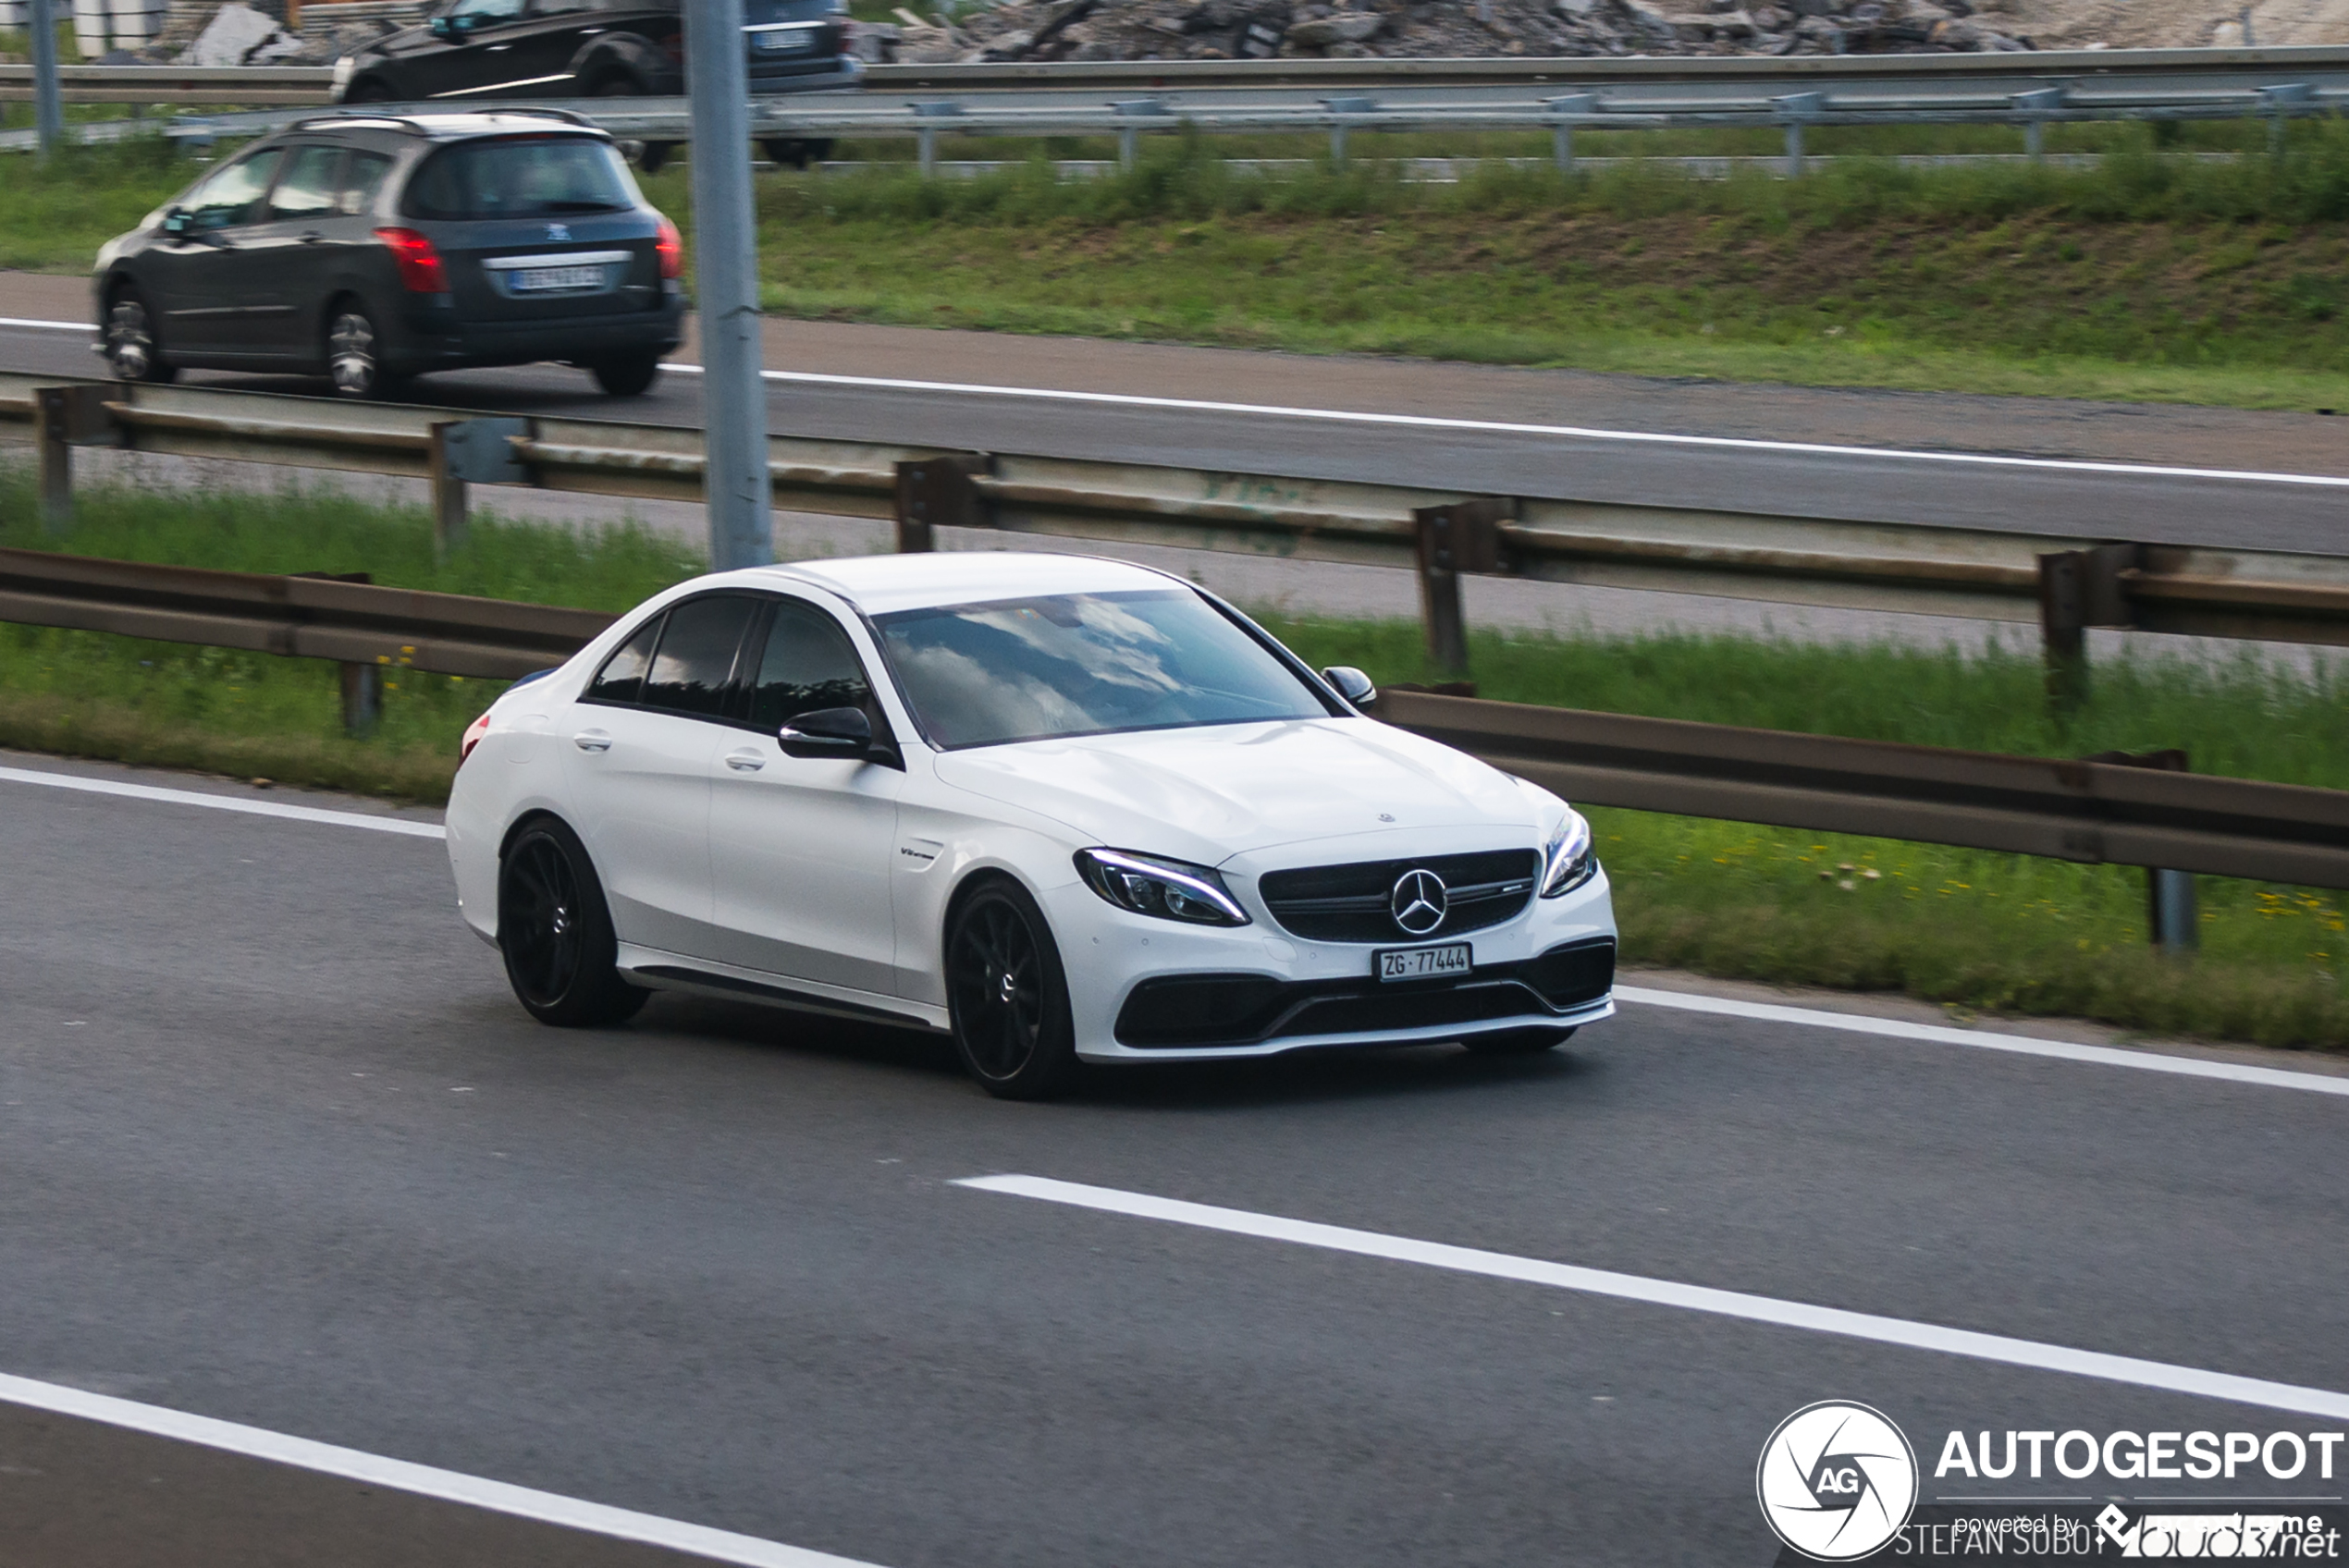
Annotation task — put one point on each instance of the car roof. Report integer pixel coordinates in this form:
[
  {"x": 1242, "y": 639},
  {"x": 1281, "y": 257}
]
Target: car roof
[
  {"x": 460, "y": 125},
  {"x": 884, "y": 584}
]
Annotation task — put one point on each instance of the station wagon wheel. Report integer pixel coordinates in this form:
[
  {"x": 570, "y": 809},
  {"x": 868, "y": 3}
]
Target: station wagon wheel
[
  {"x": 354, "y": 354},
  {"x": 1007, "y": 995},
  {"x": 131, "y": 354},
  {"x": 556, "y": 932}
]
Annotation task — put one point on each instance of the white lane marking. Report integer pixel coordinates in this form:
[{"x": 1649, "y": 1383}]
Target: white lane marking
[
  {"x": 1579, "y": 432},
  {"x": 423, "y": 1480},
  {"x": 1940, "y": 1035},
  {"x": 1689, "y": 1298},
  {"x": 225, "y": 803},
  {"x": 50, "y": 325},
  {"x": 1494, "y": 427}
]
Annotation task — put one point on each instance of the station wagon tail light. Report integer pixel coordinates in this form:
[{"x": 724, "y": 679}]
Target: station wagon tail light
[
  {"x": 670, "y": 246},
  {"x": 1171, "y": 890},
  {"x": 674, "y": 46},
  {"x": 474, "y": 733},
  {"x": 420, "y": 268}
]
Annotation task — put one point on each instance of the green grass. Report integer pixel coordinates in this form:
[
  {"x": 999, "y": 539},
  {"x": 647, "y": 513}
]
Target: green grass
[
  {"x": 1975, "y": 930},
  {"x": 218, "y": 710}
]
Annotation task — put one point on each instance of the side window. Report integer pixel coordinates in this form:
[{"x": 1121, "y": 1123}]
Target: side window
[
  {"x": 808, "y": 665},
  {"x": 623, "y": 677},
  {"x": 472, "y": 15},
  {"x": 361, "y": 177},
  {"x": 233, "y": 196},
  {"x": 694, "y": 670},
  {"x": 307, "y": 187},
  {"x": 556, "y": 7}
]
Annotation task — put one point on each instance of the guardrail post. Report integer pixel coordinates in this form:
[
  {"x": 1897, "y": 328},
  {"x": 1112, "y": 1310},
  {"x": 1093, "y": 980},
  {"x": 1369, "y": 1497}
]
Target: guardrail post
[
  {"x": 68, "y": 417},
  {"x": 464, "y": 452},
  {"x": 447, "y": 493},
  {"x": 1794, "y": 108},
  {"x": 1343, "y": 106},
  {"x": 2034, "y": 107},
  {"x": 2079, "y": 589},
  {"x": 925, "y": 137},
  {"x": 2280, "y": 102},
  {"x": 935, "y": 493},
  {"x": 1130, "y": 136},
  {"x": 2172, "y": 920},
  {"x": 363, "y": 699},
  {"x": 1562, "y": 133},
  {"x": 1461, "y": 536},
  {"x": 48, "y": 102}
]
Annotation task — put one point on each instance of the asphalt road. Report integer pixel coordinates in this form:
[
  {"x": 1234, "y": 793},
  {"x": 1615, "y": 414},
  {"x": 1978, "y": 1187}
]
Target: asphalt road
[
  {"x": 1872, "y": 486},
  {"x": 276, "y": 1147}
]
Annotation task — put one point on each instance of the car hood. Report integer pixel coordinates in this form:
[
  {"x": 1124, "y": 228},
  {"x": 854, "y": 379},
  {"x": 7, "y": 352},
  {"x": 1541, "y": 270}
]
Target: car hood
[{"x": 1208, "y": 795}]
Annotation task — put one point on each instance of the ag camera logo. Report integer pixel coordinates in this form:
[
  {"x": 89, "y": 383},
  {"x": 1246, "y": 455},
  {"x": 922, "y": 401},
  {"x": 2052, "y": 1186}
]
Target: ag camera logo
[{"x": 1837, "y": 1480}]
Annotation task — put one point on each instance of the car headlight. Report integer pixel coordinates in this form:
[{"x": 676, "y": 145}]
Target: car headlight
[
  {"x": 1171, "y": 890},
  {"x": 1567, "y": 860}
]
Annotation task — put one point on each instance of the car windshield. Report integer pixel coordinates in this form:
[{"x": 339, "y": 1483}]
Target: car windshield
[
  {"x": 1085, "y": 664},
  {"x": 522, "y": 178}
]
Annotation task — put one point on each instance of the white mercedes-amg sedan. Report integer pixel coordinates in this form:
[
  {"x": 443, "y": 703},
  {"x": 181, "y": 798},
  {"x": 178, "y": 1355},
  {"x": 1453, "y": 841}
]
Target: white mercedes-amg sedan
[{"x": 1063, "y": 809}]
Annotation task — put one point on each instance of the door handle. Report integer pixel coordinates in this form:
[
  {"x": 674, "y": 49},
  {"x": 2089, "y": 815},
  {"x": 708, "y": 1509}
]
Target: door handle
[
  {"x": 744, "y": 762},
  {"x": 591, "y": 740},
  {"x": 499, "y": 48},
  {"x": 311, "y": 237}
]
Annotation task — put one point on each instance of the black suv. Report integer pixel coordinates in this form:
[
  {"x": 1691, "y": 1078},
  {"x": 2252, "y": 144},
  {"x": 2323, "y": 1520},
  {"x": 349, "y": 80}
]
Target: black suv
[
  {"x": 372, "y": 248},
  {"x": 589, "y": 49}
]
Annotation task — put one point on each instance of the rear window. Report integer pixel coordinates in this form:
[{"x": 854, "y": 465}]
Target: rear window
[{"x": 522, "y": 178}]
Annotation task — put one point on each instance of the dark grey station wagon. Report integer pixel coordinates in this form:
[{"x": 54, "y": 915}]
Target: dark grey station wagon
[{"x": 372, "y": 248}]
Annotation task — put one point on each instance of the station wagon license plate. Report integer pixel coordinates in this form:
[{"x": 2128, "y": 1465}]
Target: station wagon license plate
[
  {"x": 793, "y": 41},
  {"x": 1424, "y": 963},
  {"x": 550, "y": 280}
]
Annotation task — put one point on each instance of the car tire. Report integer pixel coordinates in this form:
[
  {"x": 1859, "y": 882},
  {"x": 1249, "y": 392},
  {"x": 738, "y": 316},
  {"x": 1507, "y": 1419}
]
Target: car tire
[
  {"x": 132, "y": 352},
  {"x": 354, "y": 354},
  {"x": 1007, "y": 995},
  {"x": 655, "y": 157},
  {"x": 556, "y": 932},
  {"x": 1518, "y": 1041},
  {"x": 626, "y": 375}
]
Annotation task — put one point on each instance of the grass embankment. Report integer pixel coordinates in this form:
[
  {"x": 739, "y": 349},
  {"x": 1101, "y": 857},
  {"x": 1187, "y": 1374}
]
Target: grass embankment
[
  {"x": 254, "y": 714},
  {"x": 2155, "y": 276},
  {"x": 1974, "y": 930}
]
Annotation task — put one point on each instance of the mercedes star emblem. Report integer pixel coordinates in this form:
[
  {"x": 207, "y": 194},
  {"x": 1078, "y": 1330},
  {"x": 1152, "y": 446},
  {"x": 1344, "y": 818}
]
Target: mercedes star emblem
[
  {"x": 558, "y": 231},
  {"x": 1417, "y": 901}
]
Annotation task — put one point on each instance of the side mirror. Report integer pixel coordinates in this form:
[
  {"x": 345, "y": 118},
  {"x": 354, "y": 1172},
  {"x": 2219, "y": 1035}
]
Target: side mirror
[
  {"x": 1351, "y": 683},
  {"x": 175, "y": 222},
  {"x": 828, "y": 732},
  {"x": 442, "y": 27}
]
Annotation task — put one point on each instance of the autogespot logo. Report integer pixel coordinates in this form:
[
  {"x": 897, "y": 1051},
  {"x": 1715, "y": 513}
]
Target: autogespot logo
[{"x": 1837, "y": 1480}]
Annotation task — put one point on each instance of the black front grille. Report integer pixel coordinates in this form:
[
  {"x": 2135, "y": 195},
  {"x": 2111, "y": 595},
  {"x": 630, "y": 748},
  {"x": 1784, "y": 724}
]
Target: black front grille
[
  {"x": 1190, "y": 1012},
  {"x": 1348, "y": 903}
]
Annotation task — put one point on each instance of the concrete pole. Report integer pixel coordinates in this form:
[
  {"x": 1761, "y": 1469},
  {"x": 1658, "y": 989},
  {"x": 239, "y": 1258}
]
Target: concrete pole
[
  {"x": 738, "y": 492},
  {"x": 49, "y": 115}
]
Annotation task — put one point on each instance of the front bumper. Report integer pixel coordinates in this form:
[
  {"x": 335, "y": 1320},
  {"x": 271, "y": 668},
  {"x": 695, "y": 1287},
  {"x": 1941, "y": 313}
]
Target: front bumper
[{"x": 1313, "y": 996}]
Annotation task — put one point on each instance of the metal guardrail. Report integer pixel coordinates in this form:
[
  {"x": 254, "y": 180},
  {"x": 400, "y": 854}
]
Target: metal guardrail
[
  {"x": 2094, "y": 812},
  {"x": 1129, "y": 100},
  {"x": 2064, "y": 583}
]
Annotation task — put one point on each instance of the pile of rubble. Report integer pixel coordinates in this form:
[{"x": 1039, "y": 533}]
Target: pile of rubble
[{"x": 1229, "y": 29}]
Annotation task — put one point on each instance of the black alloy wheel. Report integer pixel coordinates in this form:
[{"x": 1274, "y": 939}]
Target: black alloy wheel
[
  {"x": 556, "y": 932},
  {"x": 132, "y": 352},
  {"x": 1518, "y": 1041},
  {"x": 1007, "y": 995},
  {"x": 354, "y": 354},
  {"x": 626, "y": 375},
  {"x": 796, "y": 152}
]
